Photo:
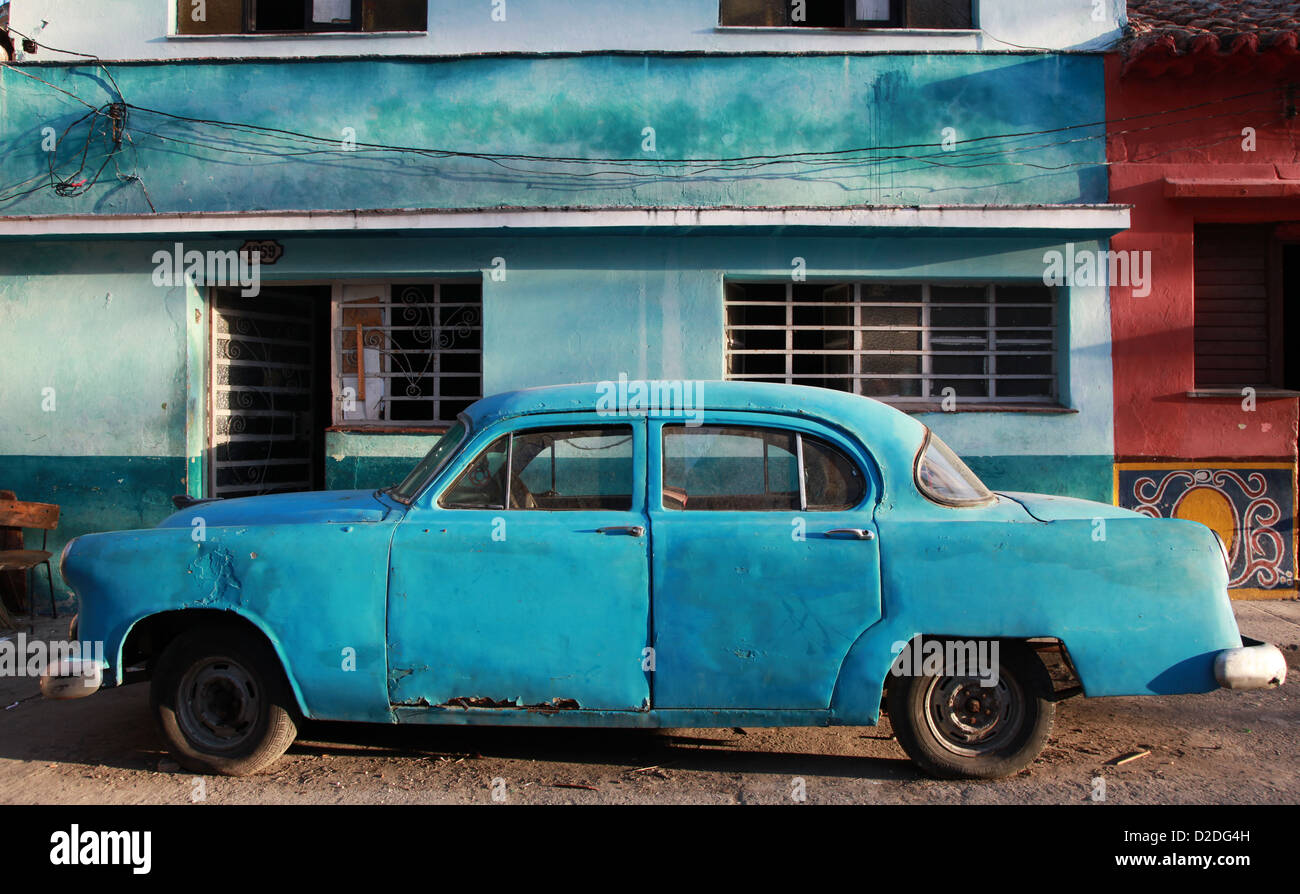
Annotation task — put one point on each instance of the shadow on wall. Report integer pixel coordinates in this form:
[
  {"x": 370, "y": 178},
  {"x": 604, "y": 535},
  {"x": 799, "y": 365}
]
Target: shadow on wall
[{"x": 94, "y": 493}]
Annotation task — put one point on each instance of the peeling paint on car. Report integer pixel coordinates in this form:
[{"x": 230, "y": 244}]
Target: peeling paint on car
[{"x": 214, "y": 575}]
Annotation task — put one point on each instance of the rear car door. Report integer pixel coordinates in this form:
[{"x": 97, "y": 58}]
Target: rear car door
[{"x": 765, "y": 563}]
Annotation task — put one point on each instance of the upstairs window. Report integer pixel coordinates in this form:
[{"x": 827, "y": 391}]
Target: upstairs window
[
  {"x": 846, "y": 13},
  {"x": 298, "y": 16},
  {"x": 304, "y": 15}
]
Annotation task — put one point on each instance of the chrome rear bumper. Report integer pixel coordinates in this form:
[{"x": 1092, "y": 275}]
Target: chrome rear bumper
[{"x": 1256, "y": 665}]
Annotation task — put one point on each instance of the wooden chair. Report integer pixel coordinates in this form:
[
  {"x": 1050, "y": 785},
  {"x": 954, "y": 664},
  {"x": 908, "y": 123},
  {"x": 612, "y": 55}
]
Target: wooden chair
[{"x": 16, "y": 515}]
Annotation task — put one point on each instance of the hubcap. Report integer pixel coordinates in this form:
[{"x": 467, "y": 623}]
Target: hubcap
[
  {"x": 218, "y": 704},
  {"x": 970, "y": 719}
]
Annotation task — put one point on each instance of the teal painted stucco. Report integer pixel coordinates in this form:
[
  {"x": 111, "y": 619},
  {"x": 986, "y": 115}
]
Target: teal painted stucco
[
  {"x": 127, "y": 361},
  {"x": 94, "y": 355},
  {"x": 365, "y": 472},
  {"x": 94, "y": 493},
  {"x": 595, "y": 106},
  {"x": 367, "y": 460},
  {"x": 1085, "y": 477}
]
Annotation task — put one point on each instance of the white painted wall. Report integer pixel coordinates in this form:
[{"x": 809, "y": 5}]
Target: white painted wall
[{"x": 143, "y": 29}]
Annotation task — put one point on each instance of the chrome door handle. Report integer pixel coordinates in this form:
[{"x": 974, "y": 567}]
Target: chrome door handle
[
  {"x": 855, "y": 533},
  {"x": 629, "y": 530}
]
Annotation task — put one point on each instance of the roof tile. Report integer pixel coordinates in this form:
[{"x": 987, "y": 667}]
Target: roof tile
[{"x": 1206, "y": 29}]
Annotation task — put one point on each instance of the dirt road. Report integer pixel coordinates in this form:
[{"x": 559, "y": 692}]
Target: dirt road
[{"x": 1225, "y": 747}]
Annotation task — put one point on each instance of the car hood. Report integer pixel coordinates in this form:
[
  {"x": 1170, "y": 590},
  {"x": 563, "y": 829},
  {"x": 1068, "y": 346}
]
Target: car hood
[
  {"x": 1046, "y": 507},
  {"x": 311, "y": 507}
]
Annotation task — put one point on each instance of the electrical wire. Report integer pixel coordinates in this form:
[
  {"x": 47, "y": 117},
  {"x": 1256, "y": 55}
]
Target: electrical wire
[
  {"x": 108, "y": 74},
  {"x": 971, "y": 158},
  {"x": 116, "y": 113},
  {"x": 642, "y": 160},
  {"x": 242, "y": 139}
]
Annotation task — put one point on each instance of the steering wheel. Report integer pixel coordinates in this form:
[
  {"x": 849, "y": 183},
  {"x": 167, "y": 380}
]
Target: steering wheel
[{"x": 520, "y": 496}]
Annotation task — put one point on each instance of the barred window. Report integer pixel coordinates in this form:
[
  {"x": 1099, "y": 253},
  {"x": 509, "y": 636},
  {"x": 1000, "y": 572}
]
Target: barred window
[
  {"x": 899, "y": 342},
  {"x": 421, "y": 357}
]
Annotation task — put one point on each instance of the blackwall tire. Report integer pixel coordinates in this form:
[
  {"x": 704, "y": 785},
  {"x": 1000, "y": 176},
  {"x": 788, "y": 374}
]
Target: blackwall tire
[
  {"x": 221, "y": 703},
  {"x": 953, "y": 728}
]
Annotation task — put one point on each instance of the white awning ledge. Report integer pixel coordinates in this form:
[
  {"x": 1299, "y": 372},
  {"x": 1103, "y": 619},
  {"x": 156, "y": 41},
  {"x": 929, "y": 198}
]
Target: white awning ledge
[{"x": 1096, "y": 218}]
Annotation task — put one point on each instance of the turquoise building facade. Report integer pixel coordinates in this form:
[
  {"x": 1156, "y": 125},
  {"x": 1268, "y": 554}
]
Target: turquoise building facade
[{"x": 597, "y": 193}]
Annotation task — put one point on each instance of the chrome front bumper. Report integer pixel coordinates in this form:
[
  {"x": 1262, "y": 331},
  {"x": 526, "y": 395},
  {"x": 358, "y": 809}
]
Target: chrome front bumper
[
  {"x": 1256, "y": 665},
  {"x": 72, "y": 679}
]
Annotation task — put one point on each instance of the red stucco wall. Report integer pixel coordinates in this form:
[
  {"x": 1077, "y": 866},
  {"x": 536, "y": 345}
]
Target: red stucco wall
[{"x": 1153, "y": 335}]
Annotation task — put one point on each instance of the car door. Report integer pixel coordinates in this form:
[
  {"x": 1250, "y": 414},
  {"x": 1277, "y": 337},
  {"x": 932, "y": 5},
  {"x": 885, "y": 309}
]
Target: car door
[
  {"x": 765, "y": 563},
  {"x": 521, "y": 578}
]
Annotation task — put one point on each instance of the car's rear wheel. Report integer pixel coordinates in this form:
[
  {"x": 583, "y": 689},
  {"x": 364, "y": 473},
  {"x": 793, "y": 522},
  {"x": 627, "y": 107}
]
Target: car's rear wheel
[
  {"x": 957, "y": 727},
  {"x": 221, "y": 703}
]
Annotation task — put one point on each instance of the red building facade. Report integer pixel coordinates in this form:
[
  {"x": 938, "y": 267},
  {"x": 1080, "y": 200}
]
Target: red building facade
[{"x": 1204, "y": 143}]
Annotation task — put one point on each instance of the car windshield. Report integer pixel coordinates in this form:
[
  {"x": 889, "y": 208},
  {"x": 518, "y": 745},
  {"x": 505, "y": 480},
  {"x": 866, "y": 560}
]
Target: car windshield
[
  {"x": 944, "y": 478},
  {"x": 434, "y": 460}
]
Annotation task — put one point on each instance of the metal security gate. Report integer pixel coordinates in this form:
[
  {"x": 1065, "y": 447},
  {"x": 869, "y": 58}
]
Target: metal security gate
[{"x": 263, "y": 430}]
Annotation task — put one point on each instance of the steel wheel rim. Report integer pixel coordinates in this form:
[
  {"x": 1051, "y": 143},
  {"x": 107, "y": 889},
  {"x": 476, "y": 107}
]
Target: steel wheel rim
[
  {"x": 972, "y": 720},
  {"x": 219, "y": 704}
]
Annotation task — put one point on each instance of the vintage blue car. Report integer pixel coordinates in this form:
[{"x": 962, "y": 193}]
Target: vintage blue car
[{"x": 677, "y": 555}]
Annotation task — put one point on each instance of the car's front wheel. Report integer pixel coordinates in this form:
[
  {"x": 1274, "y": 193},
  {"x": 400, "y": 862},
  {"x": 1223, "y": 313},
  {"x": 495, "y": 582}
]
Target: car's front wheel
[
  {"x": 961, "y": 727},
  {"x": 221, "y": 703}
]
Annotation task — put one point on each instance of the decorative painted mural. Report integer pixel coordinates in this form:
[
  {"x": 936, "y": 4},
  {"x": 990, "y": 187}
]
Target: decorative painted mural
[{"x": 1251, "y": 506}]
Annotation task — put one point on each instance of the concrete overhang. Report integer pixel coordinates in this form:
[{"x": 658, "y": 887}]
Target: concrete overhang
[{"x": 1100, "y": 219}]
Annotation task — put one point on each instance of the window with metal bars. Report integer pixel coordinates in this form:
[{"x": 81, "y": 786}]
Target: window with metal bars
[
  {"x": 903, "y": 343},
  {"x": 407, "y": 354}
]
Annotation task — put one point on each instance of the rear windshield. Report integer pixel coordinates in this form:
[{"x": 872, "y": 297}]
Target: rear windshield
[{"x": 944, "y": 478}]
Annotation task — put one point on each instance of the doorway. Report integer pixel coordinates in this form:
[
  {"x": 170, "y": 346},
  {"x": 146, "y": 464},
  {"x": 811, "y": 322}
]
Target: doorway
[{"x": 269, "y": 394}]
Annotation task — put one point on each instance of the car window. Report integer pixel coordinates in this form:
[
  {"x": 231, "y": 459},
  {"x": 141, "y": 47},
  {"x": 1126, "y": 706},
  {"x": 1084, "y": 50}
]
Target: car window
[
  {"x": 746, "y": 468},
  {"x": 482, "y": 485},
  {"x": 555, "y": 469},
  {"x": 433, "y": 461},
  {"x": 831, "y": 480},
  {"x": 944, "y": 478},
  {"x": 573, "y": 469}
]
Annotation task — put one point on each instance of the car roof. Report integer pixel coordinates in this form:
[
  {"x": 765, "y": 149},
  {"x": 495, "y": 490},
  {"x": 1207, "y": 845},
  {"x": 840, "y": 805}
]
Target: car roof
[
  {"x": 695, "y": 394},
  {"x": 892, "y": 436}
]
